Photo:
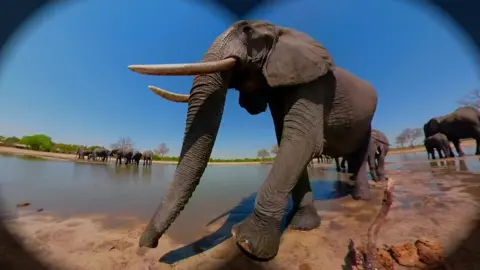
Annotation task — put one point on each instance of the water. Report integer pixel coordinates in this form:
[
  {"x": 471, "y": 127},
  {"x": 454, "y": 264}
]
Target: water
[{"x": 70, "y": 189}]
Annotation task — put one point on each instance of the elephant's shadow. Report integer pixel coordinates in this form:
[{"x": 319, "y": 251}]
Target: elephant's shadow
[{"x": 322, "y": 190}]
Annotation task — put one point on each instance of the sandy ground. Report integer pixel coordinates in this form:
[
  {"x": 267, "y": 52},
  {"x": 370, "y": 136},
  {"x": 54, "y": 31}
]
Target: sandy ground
[{"x": 427, "y": 204}]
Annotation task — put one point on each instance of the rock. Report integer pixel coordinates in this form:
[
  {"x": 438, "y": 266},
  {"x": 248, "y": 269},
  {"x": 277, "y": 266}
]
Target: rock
[
  {"x": 429, "y": 252},
  {"x": 405, "y": 255},
  {"x": 23, "y": 204},
  {"x": 385, "y": 259},
  {"x": 39, "y": 209}
]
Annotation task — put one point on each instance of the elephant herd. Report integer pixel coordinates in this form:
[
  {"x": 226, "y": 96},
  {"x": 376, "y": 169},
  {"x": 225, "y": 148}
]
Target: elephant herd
[
  {"x": 462, "y": 123},
  {"x": 129, "y": 155},
  {"x": 317, "y": 108}
]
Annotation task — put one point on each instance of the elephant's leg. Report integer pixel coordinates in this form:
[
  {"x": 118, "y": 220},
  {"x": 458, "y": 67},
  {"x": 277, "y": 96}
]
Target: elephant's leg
[
  {"x": 305, "y": 215},
  {"x": 302, "y": 137},
  {"x": 381, "y": 165},
  {"x": 337, "y": 163},
  {"x": 439, "y": 151},
  {"x": 456, "y": 143},
  {"x": 359, "y": 170},
  {"x": 342, "y": 164},
  {"x": 372, "y": 164}
]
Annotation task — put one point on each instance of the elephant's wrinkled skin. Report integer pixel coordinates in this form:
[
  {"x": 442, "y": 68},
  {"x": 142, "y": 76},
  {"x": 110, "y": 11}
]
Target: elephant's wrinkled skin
[
  {"x": 147, "y": 158},
  {"x": 376, "y": 157},
  {"x": 311, "y": 102},
  {"x": 463, "y": 123},
  {"x": 440, "y": 143}
]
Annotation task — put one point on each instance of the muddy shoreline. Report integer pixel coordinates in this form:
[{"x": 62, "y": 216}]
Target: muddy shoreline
[{"x": 440, "y": 206}]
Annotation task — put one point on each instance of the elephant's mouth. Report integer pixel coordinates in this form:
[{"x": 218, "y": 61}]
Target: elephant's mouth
[{"x": 180, "y": 70}]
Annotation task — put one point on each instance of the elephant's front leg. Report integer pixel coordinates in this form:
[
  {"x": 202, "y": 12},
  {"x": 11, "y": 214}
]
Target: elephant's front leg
[
  {"x": 381, "y": 165},
  {"x": 304, "y": 213},
  {"x": 456, "y": 143},
  {"x": 259, "y": 234},
  {"x": 337, "y": 164},
  {"x": 371, "y": 164}
]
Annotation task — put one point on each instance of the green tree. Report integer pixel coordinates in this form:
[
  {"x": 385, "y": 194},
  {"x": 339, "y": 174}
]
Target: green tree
[{"x": 40, "y": 142}]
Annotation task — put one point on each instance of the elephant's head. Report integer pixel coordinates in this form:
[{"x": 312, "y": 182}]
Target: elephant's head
[
  {"x": 431, "y": 127},
  {"x": 254, "y": 57}
]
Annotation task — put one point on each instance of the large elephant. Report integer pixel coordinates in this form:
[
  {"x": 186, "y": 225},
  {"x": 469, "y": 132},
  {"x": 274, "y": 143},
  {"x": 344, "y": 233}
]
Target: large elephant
[
  {"x": 463, "y": 123},
  {"x": 147, "y": 157},
  {"x": 126, "y": 153},
  {"x": 438, "y": 142},
  {"x": 316, "y": 108},
  {"x": 376, "y": 157},
  {"x": 136, "y": 157},
  {"x": 101, "y": 153}
]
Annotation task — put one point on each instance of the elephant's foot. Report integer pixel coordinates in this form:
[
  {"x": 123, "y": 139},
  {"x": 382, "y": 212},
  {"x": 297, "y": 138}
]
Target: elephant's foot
[
  {"x": 305, "y": 218},
  {"x": 258, "y": 237},
  {"x": 362, "y": 191},
  {"x": 149, "y": 238}
]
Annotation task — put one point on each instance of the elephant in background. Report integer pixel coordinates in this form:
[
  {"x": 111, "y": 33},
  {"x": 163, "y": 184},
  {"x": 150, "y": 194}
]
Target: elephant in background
[
  {"x": 101, "y": 153},
  {"x": 340, "y": 165},
  {"x": 147, "y": 158},
  {"x": 316, "y": 108},
  {"x": 126, "y": 153},
  {"x": 376, "y": 158},
  {"x": 438, "y": 142},
  {"x": 463, "y": 123},
  {"x": 81, "y": 153},
  {"x": 136, "y": 157}
]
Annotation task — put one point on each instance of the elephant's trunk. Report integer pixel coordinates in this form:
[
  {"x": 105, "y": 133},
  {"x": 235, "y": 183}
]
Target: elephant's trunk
[{"x": 205, "y": 108}]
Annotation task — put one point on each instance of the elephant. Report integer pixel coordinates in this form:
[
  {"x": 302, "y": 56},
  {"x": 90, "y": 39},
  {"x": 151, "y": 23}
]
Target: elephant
[
  {"x": 439, "y": 142},
  {"x": 101, "y": 153},
  {"x": 126, "y": 153},
  {"x": 81, "y": 153},
  {"x": 376, "y": 158},
  {"x": 463, "y": 123},
  {"x": 316, "y": 107},
  {"x": 340, "y": 165},
  {"x": 147, "y": 158},
  {"x": 136, "y": 157}
]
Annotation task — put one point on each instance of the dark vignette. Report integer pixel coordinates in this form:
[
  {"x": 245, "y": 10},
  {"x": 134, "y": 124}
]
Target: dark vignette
[{"x": 14, "y": 13}]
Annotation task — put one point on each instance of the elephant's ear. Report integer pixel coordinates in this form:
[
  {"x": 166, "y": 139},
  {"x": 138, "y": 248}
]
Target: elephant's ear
[{"x": 295, "y": 58}]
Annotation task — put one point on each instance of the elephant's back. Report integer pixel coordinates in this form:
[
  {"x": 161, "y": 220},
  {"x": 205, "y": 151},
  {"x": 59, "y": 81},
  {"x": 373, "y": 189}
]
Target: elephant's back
[{"x": 353, "y": 107}]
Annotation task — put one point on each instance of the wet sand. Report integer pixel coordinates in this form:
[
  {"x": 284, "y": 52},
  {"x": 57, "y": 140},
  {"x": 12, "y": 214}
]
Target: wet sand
[{"x": 427, "y": 203}]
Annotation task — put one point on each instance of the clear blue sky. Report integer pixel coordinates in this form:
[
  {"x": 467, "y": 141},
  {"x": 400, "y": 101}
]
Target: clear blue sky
[{"x": 65, "y": 73}]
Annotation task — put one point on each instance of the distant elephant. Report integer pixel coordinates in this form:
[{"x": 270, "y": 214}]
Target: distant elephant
[
  {"x": 311, "y": 102},
  {"x": 100, "y": 153},
  {"x": 463, "y": 123},
  {"x": 340, "y": 165},
  {"x": 136, "y": 157},
  {"x": 376, "y": 157},
  {"x": 122, "y": 153},
  {"x": 147, "y": 158},
  {"x": 81, "y": 153},
  {"x": 438, "y": 142}
]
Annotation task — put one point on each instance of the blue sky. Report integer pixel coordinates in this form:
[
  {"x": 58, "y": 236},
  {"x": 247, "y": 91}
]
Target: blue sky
[{"x": 65, "y": 72}]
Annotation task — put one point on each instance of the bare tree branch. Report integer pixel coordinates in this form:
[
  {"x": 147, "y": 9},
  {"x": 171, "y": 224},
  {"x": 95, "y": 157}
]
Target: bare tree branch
[
  {"x": 162, "y": 150},
  {"x": 263, "y": 153},
  {"x": 472, "y": 99},
  {"x": 275, "y": 149},
  {"x": 123, "y": 143}
]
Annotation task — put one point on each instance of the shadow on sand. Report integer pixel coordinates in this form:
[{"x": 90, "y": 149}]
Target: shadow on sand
[{"x": 322, "y": 190}]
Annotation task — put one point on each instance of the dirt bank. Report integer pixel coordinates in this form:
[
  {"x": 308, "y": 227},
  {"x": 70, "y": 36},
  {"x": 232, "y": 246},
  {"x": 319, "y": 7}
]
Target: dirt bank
[{"x": 438, "y": 206}]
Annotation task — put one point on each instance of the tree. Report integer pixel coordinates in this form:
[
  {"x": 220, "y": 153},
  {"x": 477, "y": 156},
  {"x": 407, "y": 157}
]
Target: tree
[
  {"x": 11, "y": 140},
  {"x": 162, "y": 150},
  {"x": 263, "y": 153},
  {"x": 275, "y": 149},
  {"x": 472, "y": 99},
  {"x": 123, "y": 143},
  {"x": 415, "y": 133},
  {"x": 40, "y": 142}
]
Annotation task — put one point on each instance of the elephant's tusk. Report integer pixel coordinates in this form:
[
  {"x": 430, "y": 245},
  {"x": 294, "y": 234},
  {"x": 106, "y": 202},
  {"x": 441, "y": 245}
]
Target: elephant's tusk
[
  {"x": 169, "y": 95},
  {"x": 186, "y": 68}
]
